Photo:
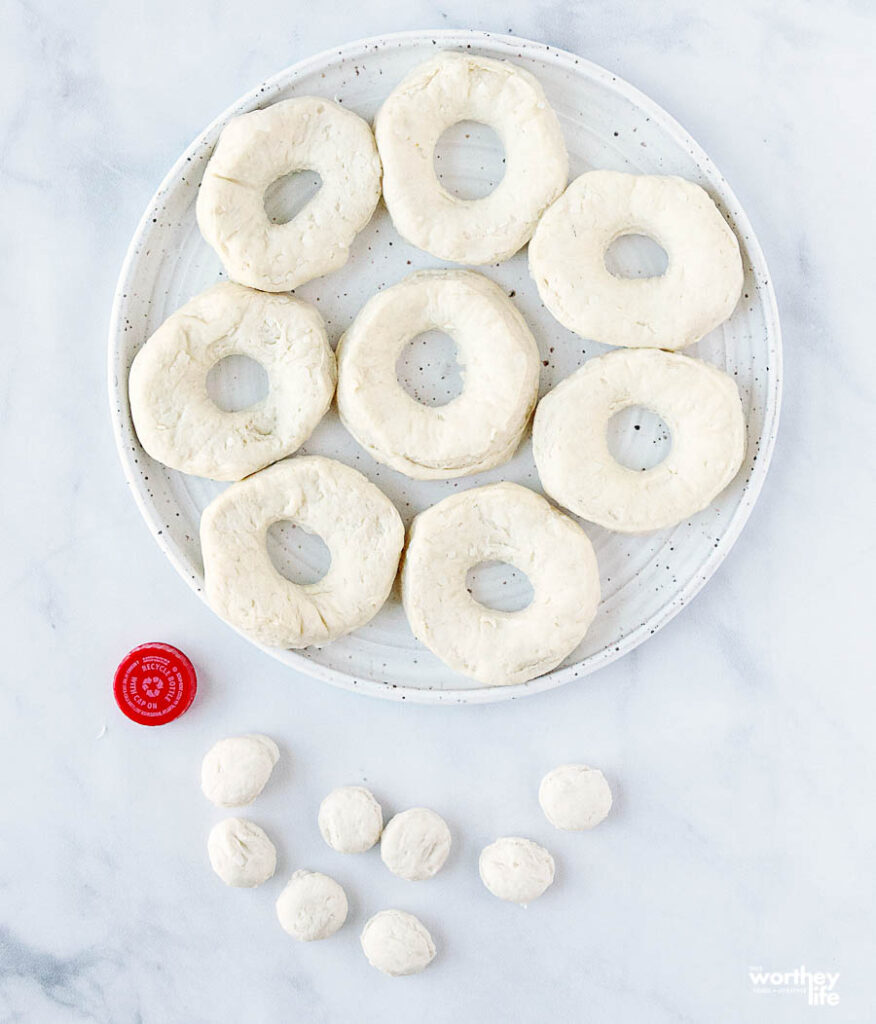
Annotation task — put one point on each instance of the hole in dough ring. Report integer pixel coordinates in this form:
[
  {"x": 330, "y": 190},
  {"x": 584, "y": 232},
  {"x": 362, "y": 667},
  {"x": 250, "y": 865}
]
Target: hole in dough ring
[
  {"x": 176, "y": 421},
  {"x": 253, "y": 151},
  {"x": 699, "y": 403},
  {"x": 445, "y": 90},
  {"x": 508, "y": 523},
  {"x": 703, "y": 277},
  {"x": 499, "y": 362},
  {"x": 359, "y": 524}
]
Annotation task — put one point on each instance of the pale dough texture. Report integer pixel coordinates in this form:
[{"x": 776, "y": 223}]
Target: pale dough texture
[
  {"x": 415, "y": 844},
  {"x": 397, "y": 943},
  {"x": 698, "y": 291},
  {"x": 499, "y": 362},
  {"x": 235, "y": 770},
  {"x": 517, "y": 870},
  {"x": 574, "y": 797},
  {"x": 255, "y": 150},
  {"x": 358, "y": 523},
  {"x": 350, "y": 819},
  {"x": 454, "y": 87},
  {"x": 177, "y": 422},
  {"x": 312, "y": 906},
  {"x": 507, "y": 523},
  {"x": 241, "y": 853},
  {"x": 699, "y": 403}
]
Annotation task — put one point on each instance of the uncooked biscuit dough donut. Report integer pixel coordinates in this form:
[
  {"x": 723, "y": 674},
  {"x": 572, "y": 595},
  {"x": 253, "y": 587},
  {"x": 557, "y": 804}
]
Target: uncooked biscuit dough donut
[
  {"x": 235, "y": 770},
  {"x": 255, "y": 150},
  {"x": 397, "y": 943},
  {"x": 177, "y": 422},
  {"x": 350, "y": 819},
  {"x": 507, "y": 523},
  {"x": 312, "y": 906},
  {"x": 241, "y": 853},
  {"x": 574, "y": 797},
  {"x": 415, "y": 844},
  {"x": 698, "y": 291},
  {"x": 699, "y": 403},
  {"x": 445, "y": 90},
  {"x": 480, "y": 428},
  {"x": 358, "y": 523},
  {"x": 517, "y": 870}
]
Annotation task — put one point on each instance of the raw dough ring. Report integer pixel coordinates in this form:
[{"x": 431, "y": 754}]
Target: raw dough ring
[
  {"x": 508, "y": 523},
  {"x": 255, "y": 150},
  {"x": 359, "y": 524},
  {"x": 177, "y": 422},
  {"x": 698, "y": 291},
  {"x": 478, "y": 429},
  {"x": 699, "y": 403},
  {"x": 445, "y": 90}
]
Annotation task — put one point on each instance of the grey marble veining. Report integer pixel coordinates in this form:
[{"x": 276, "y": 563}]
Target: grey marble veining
[{"x": 739, "y": 740}]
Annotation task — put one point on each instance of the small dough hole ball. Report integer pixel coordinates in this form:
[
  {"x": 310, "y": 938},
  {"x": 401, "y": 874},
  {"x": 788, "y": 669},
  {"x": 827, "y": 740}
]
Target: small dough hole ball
[
  {"x": 575, "y": 797},
  {"x": 516, "y": 870},
  {"x": 236, "y": 770},
  {"x": 312, "y": 906},
  {"x": 350, "y": 819},
  {"x": 415, "y": 844},
  {"x": 397, "y": 943},
  {"x": 241, "y": 853}
]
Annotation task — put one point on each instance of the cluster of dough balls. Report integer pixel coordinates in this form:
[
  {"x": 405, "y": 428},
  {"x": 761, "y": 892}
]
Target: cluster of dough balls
[
  {"x": 573, "y": 797},
  {"x": 414, "y": 845},
  {"x": 233, "y": 773}
]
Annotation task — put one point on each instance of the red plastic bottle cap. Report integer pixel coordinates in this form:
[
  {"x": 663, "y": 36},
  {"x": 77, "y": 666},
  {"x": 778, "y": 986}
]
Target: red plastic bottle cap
[{"x": 154, "y": 684}]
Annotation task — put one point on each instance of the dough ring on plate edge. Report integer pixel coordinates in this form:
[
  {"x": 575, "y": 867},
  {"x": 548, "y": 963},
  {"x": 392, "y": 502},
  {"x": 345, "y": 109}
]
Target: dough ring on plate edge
[
  {"x": 454, "y": 87},
  {"x": 258, "y": 148},
  {"x": 498, "y": 356},
  {"x": 507, "y": 523},
  {"x": 175, "y": 419},
  {"x": 699, "y": 403},
  {"x": 358, "y": 523},
  {"x": 698, "y": 291}
]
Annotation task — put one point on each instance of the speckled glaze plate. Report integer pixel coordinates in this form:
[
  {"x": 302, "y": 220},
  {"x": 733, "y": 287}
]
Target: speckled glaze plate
[{"x": 607, "y": 124}]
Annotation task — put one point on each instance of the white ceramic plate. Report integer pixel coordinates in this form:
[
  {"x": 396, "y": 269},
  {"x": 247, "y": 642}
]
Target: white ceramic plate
[{"x": 607, "y": 124}]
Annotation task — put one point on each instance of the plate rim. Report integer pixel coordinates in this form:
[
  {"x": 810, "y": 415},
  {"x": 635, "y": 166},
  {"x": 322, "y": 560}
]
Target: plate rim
[{"x": 118, "y": 392}]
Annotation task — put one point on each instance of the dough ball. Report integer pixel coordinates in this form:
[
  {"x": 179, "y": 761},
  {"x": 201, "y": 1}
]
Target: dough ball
[
  {"x": 397, "y": 943},
  {"x": 516, "y": 869},
  {"x": 312, "y": 906},
  {"x": 350, "y": 819},
  {"x": 415, "y": 844},
  {"x": 574, "y": 797},
  {"x": 235, "y": 770},
  {"x": 241, "y": 853}
]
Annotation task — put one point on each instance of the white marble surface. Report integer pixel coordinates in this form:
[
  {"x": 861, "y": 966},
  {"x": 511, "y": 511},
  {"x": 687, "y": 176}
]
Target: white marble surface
[{"x": 739, "y": 740}]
